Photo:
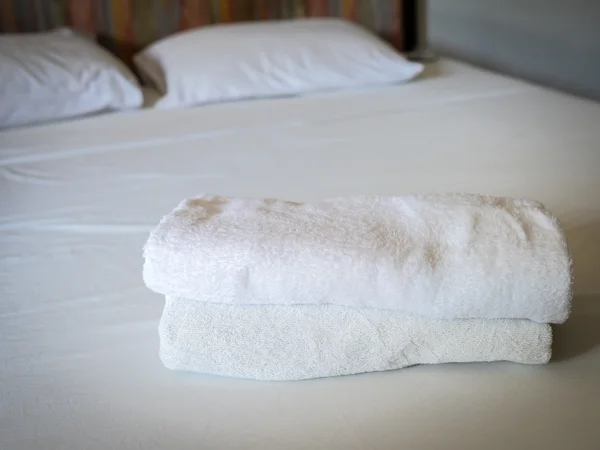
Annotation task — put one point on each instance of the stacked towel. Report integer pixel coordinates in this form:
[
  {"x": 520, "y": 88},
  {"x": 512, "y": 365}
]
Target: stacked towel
[
  {"x": 274, "y": 342},
  {"x": 270, "y": 289}
]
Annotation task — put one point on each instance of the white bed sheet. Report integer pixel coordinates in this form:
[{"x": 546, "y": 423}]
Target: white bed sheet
[{"x": 79, "y": 363}]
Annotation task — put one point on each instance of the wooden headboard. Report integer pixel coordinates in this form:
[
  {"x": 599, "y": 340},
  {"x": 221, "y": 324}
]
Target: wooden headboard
[{"x": 126, "y": 26}]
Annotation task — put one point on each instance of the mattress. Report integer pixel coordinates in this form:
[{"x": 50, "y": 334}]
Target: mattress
[{"x": 79, "y": 363}]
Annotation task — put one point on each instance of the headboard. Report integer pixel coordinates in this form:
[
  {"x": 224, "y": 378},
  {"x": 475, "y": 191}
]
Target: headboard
[{"x": 126, "y": 26}]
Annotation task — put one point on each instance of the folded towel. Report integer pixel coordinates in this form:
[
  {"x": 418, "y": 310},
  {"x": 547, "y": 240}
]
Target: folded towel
[
  {"x": 271, "y": 342},
  {"x": 442, "y": 256}
]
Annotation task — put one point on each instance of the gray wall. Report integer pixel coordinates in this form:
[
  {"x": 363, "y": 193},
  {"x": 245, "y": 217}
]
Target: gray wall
[{"x": 552, "y": 42}]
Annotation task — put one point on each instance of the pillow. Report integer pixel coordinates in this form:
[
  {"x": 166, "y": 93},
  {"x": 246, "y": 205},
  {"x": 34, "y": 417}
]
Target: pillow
[
  {"x": 266, "y": 59},
  {"x": 59, "y": 74}
]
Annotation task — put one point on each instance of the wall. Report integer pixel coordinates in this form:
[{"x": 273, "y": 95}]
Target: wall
[{"x": 553, "y": 42}]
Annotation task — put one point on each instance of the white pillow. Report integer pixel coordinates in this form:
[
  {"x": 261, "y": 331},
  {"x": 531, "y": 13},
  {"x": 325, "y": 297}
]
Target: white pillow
[
  {"x": 59, "y": 74},
  {"x": 266, "y": 59}
]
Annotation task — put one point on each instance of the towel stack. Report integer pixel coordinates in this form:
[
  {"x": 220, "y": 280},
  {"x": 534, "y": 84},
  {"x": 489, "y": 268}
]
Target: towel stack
[{"x": 275, "y": 290}]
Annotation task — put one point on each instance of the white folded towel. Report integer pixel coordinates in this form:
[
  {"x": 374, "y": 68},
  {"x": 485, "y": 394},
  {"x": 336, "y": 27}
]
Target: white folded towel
[
  {"x": 442, "y": 256},
  {"x": 271, "y": 342}
]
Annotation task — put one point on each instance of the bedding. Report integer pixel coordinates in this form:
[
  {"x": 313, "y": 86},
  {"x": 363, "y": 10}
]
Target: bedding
[
  {"x": 59, "y": 74},
  {"x": 79, "y": 363},
  {"x": 267, "y": 59}
]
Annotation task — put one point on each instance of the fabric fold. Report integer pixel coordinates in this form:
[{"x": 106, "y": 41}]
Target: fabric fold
[
  {"x": 294, "y": 342},
  {"x": 449, "y": 256}
]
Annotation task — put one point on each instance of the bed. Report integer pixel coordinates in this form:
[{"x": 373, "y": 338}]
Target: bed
[{"x": 78, "y": 359}]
